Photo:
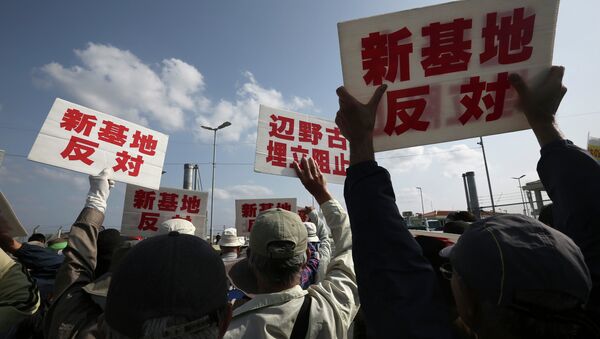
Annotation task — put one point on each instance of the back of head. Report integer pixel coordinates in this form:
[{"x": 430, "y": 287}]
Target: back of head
[
  {"x": 166, "y": 285},
  {"x": 526, "y": 280},
  {"x": 37, "y": 237},
  {"x": 109, "y": 240},
  {"x": 455, "y": 227},
  {"x": 546, "y": 215},
  {"x": 461, "y": 216}
]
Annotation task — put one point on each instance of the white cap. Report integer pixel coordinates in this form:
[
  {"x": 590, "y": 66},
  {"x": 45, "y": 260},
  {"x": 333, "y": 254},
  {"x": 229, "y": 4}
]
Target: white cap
[
  {"x": 177, "y": 225},
  {"x": 311, "y": 229},
  {"x": 230, "y": 238}
]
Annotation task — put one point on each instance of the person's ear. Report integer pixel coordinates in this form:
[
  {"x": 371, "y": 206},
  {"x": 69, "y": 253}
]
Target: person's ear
[{"x": 225, "y": 320}]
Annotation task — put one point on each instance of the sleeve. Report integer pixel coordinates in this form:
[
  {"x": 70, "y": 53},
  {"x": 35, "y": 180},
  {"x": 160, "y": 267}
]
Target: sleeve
[
  {"x": 339, "y": 287},
  {"x": 571, "y": 177},
  {"x": 80, "y": 253},
  {"x": 325, "y": 247},
  {"x": 397, "y": 286},
  {"x": 19, "y": 296},
  {"x": 43, "y": 262}
]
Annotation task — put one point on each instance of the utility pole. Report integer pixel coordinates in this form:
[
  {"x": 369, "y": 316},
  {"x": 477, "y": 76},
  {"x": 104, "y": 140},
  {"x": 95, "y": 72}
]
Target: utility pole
[
  {"x": 521, "y": 191},
  {"x": 422, "y": 206},
  {"x": 487, "y": 173}
]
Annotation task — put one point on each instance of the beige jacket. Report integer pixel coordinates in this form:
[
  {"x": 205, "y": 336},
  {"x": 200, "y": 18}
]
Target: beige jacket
[{"x": 334, "y": 300}]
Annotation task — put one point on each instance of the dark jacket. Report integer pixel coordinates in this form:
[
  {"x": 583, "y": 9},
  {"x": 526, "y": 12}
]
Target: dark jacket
[
  {"x": 74, "y": 314},
  {"x": 42, "y": 262},
  {"x": 571, "y": 177},
  {"x": 398, "y": 290}
]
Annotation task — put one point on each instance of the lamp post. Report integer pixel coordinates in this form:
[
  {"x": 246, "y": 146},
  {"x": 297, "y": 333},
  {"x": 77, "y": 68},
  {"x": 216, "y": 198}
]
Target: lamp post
[
  {"x": 487, "y": 173},
  {"x": 521, "y": 191},
  {"x": 212, "y": 191},
  {"x": 422, "y": 206}
]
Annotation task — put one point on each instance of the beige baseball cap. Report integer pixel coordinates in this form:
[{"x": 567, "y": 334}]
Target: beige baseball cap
[{"x": 278, "y": 224}]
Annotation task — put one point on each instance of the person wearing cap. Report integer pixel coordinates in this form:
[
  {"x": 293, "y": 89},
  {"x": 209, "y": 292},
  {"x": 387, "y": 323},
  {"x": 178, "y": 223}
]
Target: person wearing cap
[
  {"x": 324, "y": 246},
  {"x": 568, "y": 173},
  {"x": 308, "y": 275},
  {"x": 171, "y": 286},
  {"x": 524, "y": 280},
  {"x": 230, "y": 245},
  {"x": 182, "y": 226},
  {"x": 279, "y": 307}
]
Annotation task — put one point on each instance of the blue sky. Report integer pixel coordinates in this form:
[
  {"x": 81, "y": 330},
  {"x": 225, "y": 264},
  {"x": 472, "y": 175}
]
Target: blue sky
[{"x": 215, "y": 61}]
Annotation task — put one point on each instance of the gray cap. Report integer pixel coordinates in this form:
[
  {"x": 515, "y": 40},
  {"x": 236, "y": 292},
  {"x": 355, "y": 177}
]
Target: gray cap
[
  {"x": 503, "y": 256},
  {"x": 278, "y": 224}
]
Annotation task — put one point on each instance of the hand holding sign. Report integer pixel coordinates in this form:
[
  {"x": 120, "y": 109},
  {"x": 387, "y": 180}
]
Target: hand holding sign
[
  {"x": 312, "y": 179},
  {"x": 541, "y": 103},
  {"x": 356, "y": 122}
]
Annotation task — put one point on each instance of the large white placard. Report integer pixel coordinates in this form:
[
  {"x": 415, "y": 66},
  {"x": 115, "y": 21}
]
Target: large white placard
[
  {"x": 9, "y": 223},
  {"x": 145, "y": 209},
  {"x": 447, "y": 67},
  {"x": 84, "y": 140},
  {"x": 284, "y": 137},
  {"x": 246, "y": 211}
]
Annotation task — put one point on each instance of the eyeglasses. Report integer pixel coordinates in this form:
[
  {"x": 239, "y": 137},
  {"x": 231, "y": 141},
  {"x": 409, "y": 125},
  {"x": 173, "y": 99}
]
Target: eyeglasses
[{"x": 446, "y": 270}]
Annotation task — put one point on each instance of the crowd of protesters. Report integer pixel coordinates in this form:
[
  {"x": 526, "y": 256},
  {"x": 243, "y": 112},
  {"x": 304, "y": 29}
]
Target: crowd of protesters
[{"x": 507, "y": 276}]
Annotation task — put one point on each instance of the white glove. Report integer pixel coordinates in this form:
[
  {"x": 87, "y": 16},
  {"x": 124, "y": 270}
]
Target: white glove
[{"x": 100, "y": 186}]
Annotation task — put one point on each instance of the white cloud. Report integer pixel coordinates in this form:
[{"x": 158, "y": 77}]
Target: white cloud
[
  {"x": 243, "y": 192},
  {"x": 405, "y": 160},
  {"x": 169, "y": 94},
  {"x": 243, "y": 112},
  {"x": 458, "y": 159},
  {"x": 118, "y": 82},
  {"x": 78, "y": 180}
]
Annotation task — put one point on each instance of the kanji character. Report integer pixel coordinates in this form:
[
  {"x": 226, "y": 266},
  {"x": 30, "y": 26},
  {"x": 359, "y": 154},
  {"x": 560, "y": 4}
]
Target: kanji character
[
  {"x": 382, "y": 55},
  {"x": 303, "y": 216},
  {"x": 400, "y": 109},
  {"x": 144, "y": 199},
  {"x": 113, "y": 133},
  {"x": 148, "y": 221},
  {"x": 190, "y": 203},
  {"x": 309, "y": 132},
  {"x": 74, "y": 120},
  {"x": 513, "y": 36},
  {"x": 79, "y": 149},
  {"x": 374, "y": 58},
  {"x": 335, "y": 139},
  {"x": 248, "y": 210},
  {"x": 298, "y": 153},
  {"x": 321, "y": 158},
  {"x": 340, "y": 164},
  {"x": 284, "y": 129},
  {"x": 284, "y": 206},
  {"x": 250, "y": 224},
  {"x": 277, "y": 153},
  {"x": 187, "y": 217},
  {"x": 476, "y": 88},
  {"x": 447, "y": 50},
  {"x": 398, "y": 55},
  {"x": 126, "y": 162},
  {"x": 168, "y": 201},
  {"x": 265, "y": 206},
  {"x": 146, "y": 144}
]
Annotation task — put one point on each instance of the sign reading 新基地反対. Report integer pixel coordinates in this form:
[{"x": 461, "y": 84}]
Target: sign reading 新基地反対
[
  {"x": 246, "y": 211},
  {"x": 145, "y": 209},
  {"x": 284, "y": 137},
  {"x": 84, "y": 140},
  {"x": 447, "y": 67}
]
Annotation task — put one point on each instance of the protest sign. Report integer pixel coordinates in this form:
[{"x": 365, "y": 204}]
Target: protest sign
[
  {"x": 9, "y": 223},
  {"x": 447, "y": 67},
  {"x": 450, "y": 236},
  {"x": 84, "y": 140},
  {"x": 284, "y": 137},
  {"x": 246, "y": 211},
  {"x": 2, "y": 152},
  {"x": 145, "y": 209},
  {"x": 594, "y": 147}
]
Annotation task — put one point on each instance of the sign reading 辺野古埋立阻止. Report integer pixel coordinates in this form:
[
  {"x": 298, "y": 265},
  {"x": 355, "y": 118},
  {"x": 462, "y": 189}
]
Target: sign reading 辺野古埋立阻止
[
  {"x": 84, "y": 140},
  {"x": 447, "y": 67}
]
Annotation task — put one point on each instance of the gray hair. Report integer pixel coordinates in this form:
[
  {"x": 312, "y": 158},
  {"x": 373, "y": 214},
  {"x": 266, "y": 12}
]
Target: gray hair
[
  {"x": 173, "y": 328},
  {"x": 278, "y": 271}
]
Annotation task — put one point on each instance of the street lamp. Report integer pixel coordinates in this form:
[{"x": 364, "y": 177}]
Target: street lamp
[
  {"x": 422, "y": 206},
  {"x": 521, "y": 191},
  {"x": 212, "y": 191}
]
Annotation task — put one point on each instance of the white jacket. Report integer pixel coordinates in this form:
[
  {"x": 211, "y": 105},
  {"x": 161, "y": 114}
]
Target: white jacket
[{"x": 334, "y": 299}]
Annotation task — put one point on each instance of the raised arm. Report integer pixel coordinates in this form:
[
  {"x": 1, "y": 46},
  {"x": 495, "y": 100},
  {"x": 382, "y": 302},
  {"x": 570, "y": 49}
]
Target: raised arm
[
  {"x": 570, "y": 175},
  {"x": 397, "y": 286}
]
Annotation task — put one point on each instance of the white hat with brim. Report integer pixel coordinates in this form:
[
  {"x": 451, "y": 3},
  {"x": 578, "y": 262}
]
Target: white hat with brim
[{"x": 182, "y": 226}]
